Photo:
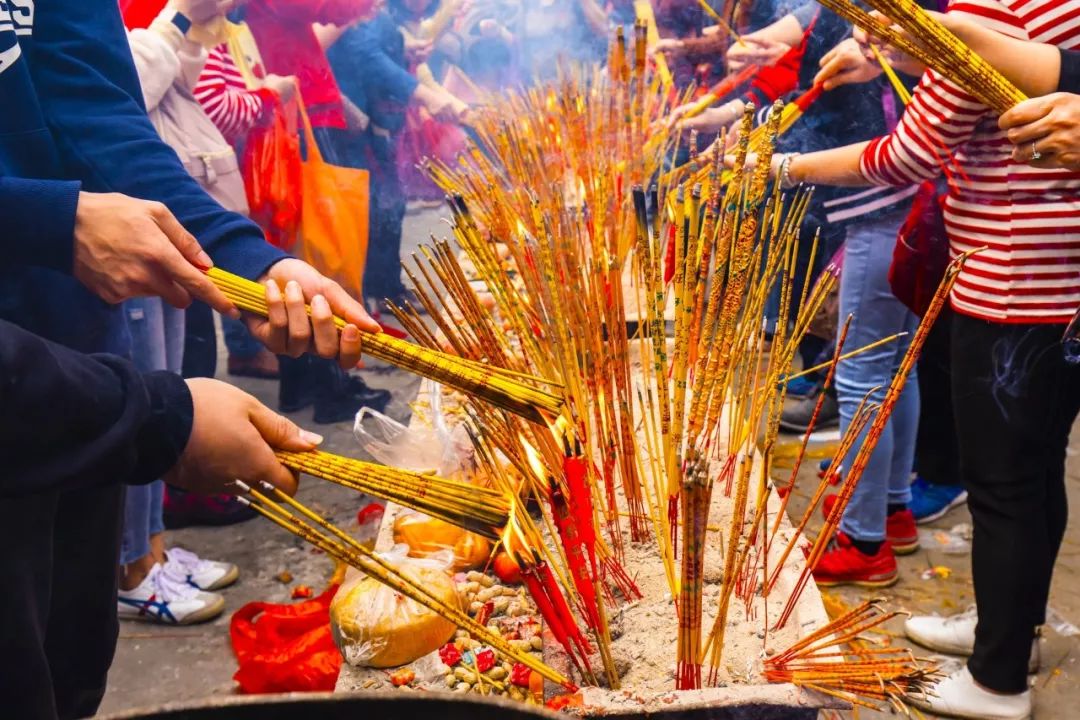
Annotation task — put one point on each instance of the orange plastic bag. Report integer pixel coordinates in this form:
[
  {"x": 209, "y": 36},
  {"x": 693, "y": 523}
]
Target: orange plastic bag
[
  {"x": 334, "y": 221},
  {"x": 285, "y": 648},
  {"x": 273, "y": 178}
]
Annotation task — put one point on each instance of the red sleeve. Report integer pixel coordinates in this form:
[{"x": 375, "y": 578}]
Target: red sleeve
[{"x": 227, "y": 102}]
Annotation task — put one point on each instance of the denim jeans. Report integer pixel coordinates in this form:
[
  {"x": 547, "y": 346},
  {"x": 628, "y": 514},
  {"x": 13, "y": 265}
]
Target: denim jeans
[
  {"x": 157, "y": 334},
  {"x": 238, "y": 339},
  {"x": 876, "y": 313}
]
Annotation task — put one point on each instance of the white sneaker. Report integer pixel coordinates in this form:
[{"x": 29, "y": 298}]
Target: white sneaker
[
  {"x": 957, "y": 695},
  {"x": 163, "y": 597},
  {"x": 955, "y": 635},
  {"x": 199, "y": 573}
]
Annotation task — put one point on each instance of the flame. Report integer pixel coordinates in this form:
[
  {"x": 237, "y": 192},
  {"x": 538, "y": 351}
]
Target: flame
[
  {"x": 514, "y": 541},
  {"x": 536, "y": 462}
]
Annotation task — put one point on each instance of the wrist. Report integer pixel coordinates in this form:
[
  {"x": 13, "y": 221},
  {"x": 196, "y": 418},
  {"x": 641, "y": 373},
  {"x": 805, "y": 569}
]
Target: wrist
[{"x": 786, "y": 175}]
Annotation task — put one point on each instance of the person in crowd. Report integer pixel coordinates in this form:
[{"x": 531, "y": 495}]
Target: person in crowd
[
  {"x": 235, "y": 109},
  {"x": 75, "y": 113},
  {"x": 878, "y": 522},
  {"x": 371, "y": 61},
  {"x": 285, "y": 36},
  {"x": 550, "y": 30},
  {"x": 174, "y": 586},
  {"x": 1015, "y": 397}
]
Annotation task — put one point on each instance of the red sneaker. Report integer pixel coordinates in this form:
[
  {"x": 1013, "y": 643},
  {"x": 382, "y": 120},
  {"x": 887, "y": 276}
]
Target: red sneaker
[
  {"x": 844, "y": 564},
  {"x": 901, "y": 532},
  {"x": 900, "y": 528}
]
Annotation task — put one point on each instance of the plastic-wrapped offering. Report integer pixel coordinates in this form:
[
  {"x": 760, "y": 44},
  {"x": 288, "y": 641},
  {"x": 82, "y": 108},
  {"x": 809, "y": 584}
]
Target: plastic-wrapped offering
[
  {"x": 374, "y": 626},
  {"x": 426, "y": 536}
]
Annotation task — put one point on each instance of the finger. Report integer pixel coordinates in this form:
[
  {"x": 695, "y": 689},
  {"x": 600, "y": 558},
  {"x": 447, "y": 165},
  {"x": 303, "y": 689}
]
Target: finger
[
  {"x": 277, "y": 331},
  {"x": 351, "y": 346},
  {"x": 170, "y": 292},
  {"x": 1025, "y": 113},
  {"x": 344, "y": 306},
  {"x": 281, "y": 433},
  {"x": 299, "y": 333},
  {"x": 196, "y": 284},
  {"x": 325, "y": 332},
  {"x": 1026, "y": 134},
  {"x": 181, "y": 239}
]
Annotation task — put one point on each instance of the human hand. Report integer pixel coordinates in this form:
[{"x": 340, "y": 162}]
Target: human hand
[
  {"x": 670, "y": 47},
  {"x": 200, "y": 12},
  {"x": 288, "y": 330},
  {"x": 1048, "y": 127},
  {"x": 418, "y": 50},
  {"x": 713, "y": 119},
  {"x": 125, "y": 248},
  {"x": 284, "y": 86},
  {"x": 754, "y": 51},
  {"x": 233, "y": 436},
  {"x": 846, "y": 64}
]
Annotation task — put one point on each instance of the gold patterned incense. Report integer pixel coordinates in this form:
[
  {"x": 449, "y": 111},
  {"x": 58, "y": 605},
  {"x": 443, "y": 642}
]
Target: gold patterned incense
[
  {"x": 494, "y": 385},
  {"x": 481, "y": 510}
]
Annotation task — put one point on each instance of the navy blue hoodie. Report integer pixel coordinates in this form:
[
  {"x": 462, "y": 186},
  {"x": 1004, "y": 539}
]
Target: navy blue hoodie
[{"x": 71, "y": 109}]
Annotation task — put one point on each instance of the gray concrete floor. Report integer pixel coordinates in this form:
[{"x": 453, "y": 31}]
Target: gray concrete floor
[{"x": 156, "y": 665}]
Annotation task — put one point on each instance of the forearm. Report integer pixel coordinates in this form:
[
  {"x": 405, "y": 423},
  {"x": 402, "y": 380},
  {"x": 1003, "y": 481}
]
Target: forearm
[
  {"x": 110, "y": 144},
  {"x": 1033, "y": 67},
  {"x": 787, "y": 30},
  {"x": 39, "y": 218},
  {"x": 70, "y": 419},
  {"x": 837, "y": 167}
]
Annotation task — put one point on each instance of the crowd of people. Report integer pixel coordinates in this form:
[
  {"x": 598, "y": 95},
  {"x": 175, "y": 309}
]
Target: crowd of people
[{"x": 120, "y": 182}]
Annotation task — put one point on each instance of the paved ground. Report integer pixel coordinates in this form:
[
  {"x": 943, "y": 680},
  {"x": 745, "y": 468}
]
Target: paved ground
[{"x": 156, "y": 665}]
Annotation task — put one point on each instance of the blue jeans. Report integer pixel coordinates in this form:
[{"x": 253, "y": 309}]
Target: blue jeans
[
  {"x": 157, "y": 334},
  {"x": 238, "y": 339},
  {"x": 876, "y": 313}
]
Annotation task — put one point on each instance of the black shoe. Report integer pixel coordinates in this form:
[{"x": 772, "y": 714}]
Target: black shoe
[
  {"x": 375, "y": 398},
  {"x": 300, "y": 383},
  {"x": 345, "y": 403},
  {"x": 796, "y": 418}
]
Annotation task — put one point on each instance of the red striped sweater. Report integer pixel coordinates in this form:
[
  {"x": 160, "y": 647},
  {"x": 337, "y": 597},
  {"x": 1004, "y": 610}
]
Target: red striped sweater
[
  {"x": 1027, "y": 218},
  {"x": 225, "y": 98}
]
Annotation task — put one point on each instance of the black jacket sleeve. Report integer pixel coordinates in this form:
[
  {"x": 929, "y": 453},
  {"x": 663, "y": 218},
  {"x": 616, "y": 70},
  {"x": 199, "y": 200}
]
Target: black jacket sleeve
[
  {"x": 74, "y": 420},
  {"x": 1070, "y": 72}
]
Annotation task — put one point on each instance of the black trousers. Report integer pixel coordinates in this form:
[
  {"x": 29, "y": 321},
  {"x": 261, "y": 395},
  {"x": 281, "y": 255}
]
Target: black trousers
[
  {"x": 200, "y": 342},
  {"x": 1015, "y": 401},
  {"x": 382, "y": 273},
  {"x": 936, "y": 459},
  {"x": 58, "y": 623}
]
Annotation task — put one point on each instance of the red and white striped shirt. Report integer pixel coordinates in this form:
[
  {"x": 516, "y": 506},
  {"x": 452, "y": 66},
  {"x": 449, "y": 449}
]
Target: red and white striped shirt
[
  {"x": 1028, "y": 219},
  {"x": 225, "y": 97}
]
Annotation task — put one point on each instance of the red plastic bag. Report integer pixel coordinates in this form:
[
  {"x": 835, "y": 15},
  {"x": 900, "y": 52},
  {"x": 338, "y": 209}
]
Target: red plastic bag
[
  {"x": 272, "y": 177},
  {"x": 921, "y": 254},
  {"x": 285, "y": 648}
]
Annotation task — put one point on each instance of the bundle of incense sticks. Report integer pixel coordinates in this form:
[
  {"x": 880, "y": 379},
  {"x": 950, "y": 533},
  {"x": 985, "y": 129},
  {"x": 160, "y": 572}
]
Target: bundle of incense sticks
[
  {"x": 306, "y": 524},
  {"x": 511, "y": 391},
  {"x": 482, "y": 510},
  {"x": 561, "y": 230},
  {"x": 936, "y": 46},
  {"x": 860, "y": 675}
]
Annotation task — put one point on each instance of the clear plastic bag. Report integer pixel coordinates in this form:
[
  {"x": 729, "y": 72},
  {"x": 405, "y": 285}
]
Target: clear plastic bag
[
  {"x": 436, "y": 449},
  {"x": 375, "y": 626}
]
